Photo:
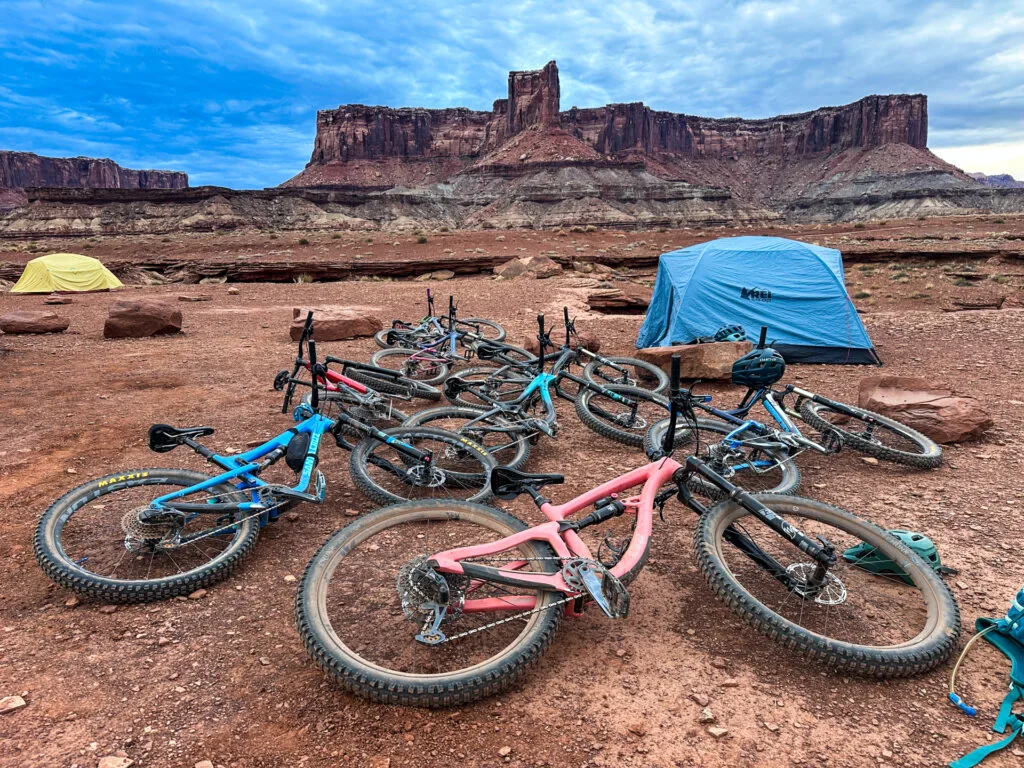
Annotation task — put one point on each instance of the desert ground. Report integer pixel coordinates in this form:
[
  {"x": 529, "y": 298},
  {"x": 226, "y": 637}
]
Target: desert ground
[{"x": 225, "y": 678}]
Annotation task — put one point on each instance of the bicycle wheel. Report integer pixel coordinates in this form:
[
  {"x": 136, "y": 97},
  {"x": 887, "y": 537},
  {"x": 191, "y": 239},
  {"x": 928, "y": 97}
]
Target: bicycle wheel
[
  {"x": 380, "y": 414},
  {"x": 885, "y": 439},
  {"x": 509, "y": 449},
  {"x": 637, "y": 373},
  {"x": 411, "y": 365},
  {"x": 861, "y": 622},
  {"x": 459, "y": 468},
  {"x": 91, "y": 541},
  {"x": 757, "y": 470},
  {"x": 618, "y": 421},
  {"x": 486, "y": 384},
  {"x": 485, "y": 329},
  {"x": 402, "y": 386},
  {"x": 358, "y": 608}
]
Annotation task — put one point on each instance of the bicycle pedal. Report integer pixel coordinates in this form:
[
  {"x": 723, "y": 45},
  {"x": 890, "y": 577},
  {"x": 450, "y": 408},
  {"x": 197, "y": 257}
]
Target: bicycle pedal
[{"x": 603, "y": 587}]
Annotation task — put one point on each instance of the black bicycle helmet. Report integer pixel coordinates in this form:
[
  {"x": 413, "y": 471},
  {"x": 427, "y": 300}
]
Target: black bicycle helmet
[
  {"x": 759, "y": 368},
  {"x": 731, "y": 333}
]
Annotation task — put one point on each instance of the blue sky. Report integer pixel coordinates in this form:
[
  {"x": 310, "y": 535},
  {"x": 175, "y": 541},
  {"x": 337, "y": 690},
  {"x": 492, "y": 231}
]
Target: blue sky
[{"x": 228, "y": 91}]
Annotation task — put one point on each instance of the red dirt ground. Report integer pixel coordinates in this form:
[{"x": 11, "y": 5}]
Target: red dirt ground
[{"x": 606, "y": 693}]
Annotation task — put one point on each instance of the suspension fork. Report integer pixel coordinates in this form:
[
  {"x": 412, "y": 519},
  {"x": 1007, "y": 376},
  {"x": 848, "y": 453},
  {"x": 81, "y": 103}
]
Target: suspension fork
[{"x": 823, "y": 556}]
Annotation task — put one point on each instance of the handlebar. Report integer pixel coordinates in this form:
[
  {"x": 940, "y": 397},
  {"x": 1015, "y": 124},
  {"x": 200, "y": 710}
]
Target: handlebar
[
  {"x": 430, "y": 303},
  {"x": 543, "y": 341},
  {"x": 763, "y": 338}
]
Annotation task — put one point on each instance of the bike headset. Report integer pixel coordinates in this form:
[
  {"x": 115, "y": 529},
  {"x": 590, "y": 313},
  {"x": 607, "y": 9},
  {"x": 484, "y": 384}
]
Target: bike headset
[{"x": 286, "y": 382}]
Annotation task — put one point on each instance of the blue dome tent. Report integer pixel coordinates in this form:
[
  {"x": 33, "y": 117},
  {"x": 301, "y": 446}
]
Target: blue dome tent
[{"x": 796, "y": 289}]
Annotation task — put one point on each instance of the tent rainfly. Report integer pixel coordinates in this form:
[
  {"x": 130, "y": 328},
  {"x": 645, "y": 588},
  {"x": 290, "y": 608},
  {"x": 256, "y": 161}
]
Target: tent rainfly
[
  {"x": 795, "y": 289},
  {"x": 65, "y": 272}
]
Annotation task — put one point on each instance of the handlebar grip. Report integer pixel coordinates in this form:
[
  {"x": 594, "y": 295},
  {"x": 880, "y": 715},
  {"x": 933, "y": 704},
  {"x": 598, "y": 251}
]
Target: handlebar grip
[
  {"x": 763, "y": 338},
  {"x": 540, "y": 323},
  {"x": 674, "y": 375}
]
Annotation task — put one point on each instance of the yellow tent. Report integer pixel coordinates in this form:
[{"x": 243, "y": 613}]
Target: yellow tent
[{"x": 65, "y": 272}]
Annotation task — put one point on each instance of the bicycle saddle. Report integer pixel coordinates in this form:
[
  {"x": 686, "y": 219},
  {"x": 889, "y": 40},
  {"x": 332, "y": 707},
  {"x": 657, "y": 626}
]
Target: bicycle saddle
[
  {"x": 164, "y": 437},
  {"x": 507, "y": 483}
]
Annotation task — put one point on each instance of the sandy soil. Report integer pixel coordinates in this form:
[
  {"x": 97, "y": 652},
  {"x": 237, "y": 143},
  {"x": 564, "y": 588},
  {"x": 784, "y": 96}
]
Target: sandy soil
[{"x": 234, "y": 686}]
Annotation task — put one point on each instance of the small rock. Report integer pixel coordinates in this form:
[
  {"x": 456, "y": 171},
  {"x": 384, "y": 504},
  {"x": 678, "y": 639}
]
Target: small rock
[
  {"x": 162, "y": 641},
  {"x": 289, "y": 578},
  {"x": 108, "y": 608},
  {"x": 869, "y": 459},
  {"x": 731, "y": 682},
  {"x": 113, "y": 761},
  {"x": 72, "y": 602},
  {"x": 292, "y": 517},
  {"x": 11, "y": 703},
  {"x": 71, "y": 471},
  {"x": 199, "y": 594},
  {"x": 706, "y": 716},
  {"x": 233, "y": 291},
  {"x": 773, "y": 727},
  {"x": 717, "y": 731},
  {"x": 700, "y": 699},
  {"x": 638, "y": 729},
  {"x": 352, "y": 513},
  {"x": 505, "y": 751},
  {"x": 620, "y": 652},
  {"x": 56, "y": 298},
  {"x": 30, "y": 321},
  {"x": 196, "y": 297},
  {"x": 204, "y": 764},
  {"x": 264, "y": 661}
]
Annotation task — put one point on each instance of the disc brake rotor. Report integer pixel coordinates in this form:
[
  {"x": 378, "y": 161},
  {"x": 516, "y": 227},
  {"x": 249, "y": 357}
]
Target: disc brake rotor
[
  {"x": 832, "y": 592},
  {"x": 426, "y": 476}
]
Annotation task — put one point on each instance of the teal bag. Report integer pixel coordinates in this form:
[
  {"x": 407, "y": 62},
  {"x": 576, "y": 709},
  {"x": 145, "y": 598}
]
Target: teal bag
[{"x": 1008, "y": 636}]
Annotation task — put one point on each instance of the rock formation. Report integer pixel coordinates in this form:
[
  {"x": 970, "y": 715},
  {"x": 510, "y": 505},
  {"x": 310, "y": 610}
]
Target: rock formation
[{"x": 19, "y": 170}]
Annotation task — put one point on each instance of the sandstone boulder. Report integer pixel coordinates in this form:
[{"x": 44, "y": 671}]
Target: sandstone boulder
[
  {"x": 532, "y": 266},
  {"x": 335, "y": 324},
  {"x": 973, "y": 298},
  {"x": 29, "y": 321},
  {"x": 628, "y": 300},
  {"x": 135, "y": 318},
  {"x": 935, "y": 411},
  {"x": 698, "y": 361}
]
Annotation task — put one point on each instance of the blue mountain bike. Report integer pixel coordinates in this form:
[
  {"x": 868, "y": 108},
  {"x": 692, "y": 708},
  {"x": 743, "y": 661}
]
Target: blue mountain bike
[{"x": 149, "y": 534}]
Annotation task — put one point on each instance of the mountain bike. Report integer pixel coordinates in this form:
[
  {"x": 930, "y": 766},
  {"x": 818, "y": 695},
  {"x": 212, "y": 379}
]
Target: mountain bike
[
  {"x": 430, "y": 359},
  {"x": 148, "y": 534},
  {"x": 616, "y": 411},
  {"x": 839, "y": 425},
  {"x": 442, "y": 603},
  {"x": 514, "y": 374},
  {"x": 402, "y": 334}
]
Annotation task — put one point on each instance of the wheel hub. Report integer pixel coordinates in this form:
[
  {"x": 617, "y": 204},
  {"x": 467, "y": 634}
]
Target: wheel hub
[
  {"x": 426, "y": 476},
  {"x": 831, "y": 592}
]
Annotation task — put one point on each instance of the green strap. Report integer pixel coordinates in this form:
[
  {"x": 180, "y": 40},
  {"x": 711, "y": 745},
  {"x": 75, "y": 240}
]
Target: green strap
[
  {"x": 971, "y": 759},
  {"x": 1006, "y": 716}
]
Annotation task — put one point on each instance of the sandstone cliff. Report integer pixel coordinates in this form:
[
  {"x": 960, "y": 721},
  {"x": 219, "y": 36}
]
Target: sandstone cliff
[
  {"x": 24, "y": 169},
  {"x": 382, "y": 147}
]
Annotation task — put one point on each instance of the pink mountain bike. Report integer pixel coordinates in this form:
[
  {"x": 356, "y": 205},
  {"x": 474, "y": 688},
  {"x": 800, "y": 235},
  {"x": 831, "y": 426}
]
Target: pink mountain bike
[{"x": 441, "y": 603}]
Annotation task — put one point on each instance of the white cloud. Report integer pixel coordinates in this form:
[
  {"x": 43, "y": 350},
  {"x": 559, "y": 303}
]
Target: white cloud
[{"x": 990, "y": 159}]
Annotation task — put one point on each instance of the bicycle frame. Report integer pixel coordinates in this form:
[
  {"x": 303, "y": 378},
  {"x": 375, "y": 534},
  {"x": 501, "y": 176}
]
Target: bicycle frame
[
  {"x": 561, "y": 534},
  {"x": 774, "y": 403},
  {"x": 565, "y": 541},
  {"x": 242, "y": 469}
]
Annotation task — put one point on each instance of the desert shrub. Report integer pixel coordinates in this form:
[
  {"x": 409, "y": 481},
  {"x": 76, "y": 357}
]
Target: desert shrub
[
  {"x": 860, "y": 225},
  {"x": 303, "y": 241},
  {"x": 335, "y": 236},
  {"x": 421, "y": 239},
  {"x": 898, "y": 275},
  {"x": 305, "y": 277},
  {"x": 999, "y": 221},
  {"x": 862, "y": 295},
  {"x": 1000, "y": 279},
  {"x": 920, "y": 295},
  {"x": 445, "y": 229},
  {"x": 165, "y": 239},
  {"x": 921, "y": 218},
  {"x": 962, "y": 283}
]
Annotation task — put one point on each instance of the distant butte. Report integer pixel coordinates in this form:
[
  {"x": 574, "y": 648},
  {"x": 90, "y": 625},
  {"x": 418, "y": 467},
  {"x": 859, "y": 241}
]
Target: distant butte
[{"x": 776, "y": 158}]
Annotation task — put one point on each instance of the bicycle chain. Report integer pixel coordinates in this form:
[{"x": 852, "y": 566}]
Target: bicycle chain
[{"x": 512, "y": 617}]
